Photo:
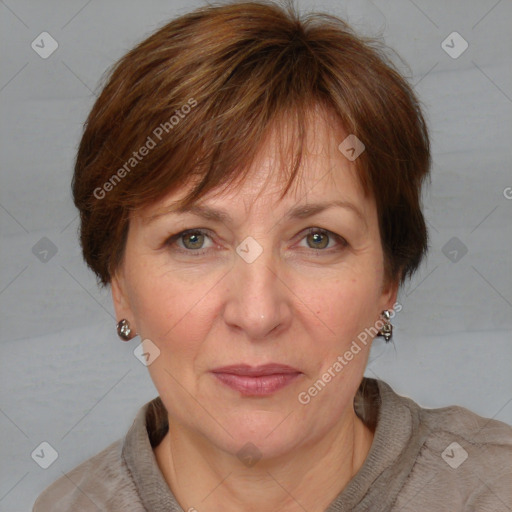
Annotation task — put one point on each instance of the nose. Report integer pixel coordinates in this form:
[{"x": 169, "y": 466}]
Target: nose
[{"x": 257, "y": 302}]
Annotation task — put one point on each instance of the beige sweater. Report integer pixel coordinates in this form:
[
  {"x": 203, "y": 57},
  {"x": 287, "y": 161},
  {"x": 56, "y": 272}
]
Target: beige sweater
[{"x": 421, "y": 460}]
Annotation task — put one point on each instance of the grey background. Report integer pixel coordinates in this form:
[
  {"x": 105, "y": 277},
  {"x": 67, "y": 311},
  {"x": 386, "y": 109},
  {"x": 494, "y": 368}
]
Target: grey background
[{"x": 67, "y": 379}]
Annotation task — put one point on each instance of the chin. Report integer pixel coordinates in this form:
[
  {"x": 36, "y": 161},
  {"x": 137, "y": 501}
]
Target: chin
[
  {"x": 252, "y": 448},
  {"x": 258, "y": 434}
]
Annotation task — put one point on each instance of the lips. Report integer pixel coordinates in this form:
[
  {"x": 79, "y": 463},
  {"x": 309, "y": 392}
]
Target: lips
[
  {"x": 257, "y": 371},
  {"x": 256, "y": 381}
]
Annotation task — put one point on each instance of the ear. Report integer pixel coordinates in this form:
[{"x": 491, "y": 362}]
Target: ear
[
  {"x": 120, "y": 298},
  {"x": 390, "y": 292}
]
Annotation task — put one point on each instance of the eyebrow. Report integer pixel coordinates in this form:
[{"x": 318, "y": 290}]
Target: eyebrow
[{"x": 298, "y": 212}]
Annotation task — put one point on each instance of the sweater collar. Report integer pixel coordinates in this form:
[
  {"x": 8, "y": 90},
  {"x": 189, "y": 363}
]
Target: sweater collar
[
  {"x": 141, "y": 461},
  {"x": 397, "y": 440}
]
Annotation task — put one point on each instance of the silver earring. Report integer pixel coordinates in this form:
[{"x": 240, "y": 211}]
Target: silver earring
[
  {"x": 387, "y": 329},
  {"x": 124, "y": 330}
]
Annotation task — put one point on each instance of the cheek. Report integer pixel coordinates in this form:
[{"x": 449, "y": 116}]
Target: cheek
[
  {"x": 165, "y": 315},
  {"x": 171, "y": 309},
  {"x": 348, "y": 305},
  {"x": 154, "y": 296},
  {"x": 345, "y": 309}
]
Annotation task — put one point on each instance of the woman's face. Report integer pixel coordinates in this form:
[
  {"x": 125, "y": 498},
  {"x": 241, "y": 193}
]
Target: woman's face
[{"x": 264, "y": 282}]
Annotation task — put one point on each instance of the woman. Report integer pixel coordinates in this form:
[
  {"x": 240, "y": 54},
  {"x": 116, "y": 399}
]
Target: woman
[{"x": 249, "y": 185}]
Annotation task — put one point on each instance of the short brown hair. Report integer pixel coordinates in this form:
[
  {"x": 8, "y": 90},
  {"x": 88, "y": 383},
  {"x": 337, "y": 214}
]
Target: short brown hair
[{"x": 201, "y": 93}]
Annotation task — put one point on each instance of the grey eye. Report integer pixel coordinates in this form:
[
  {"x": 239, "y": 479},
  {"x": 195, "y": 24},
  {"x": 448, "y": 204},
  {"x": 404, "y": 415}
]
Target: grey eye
[
  {"x": 318, "y": 239},
  {"x": 195, "y": 239}
]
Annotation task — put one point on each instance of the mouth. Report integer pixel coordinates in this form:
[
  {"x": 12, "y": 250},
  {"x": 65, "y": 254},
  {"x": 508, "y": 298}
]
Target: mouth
[{"x": 256, "y": 381}]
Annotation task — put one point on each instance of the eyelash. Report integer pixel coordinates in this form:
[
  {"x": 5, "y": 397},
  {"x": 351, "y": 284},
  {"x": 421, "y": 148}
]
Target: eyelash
[{"x": 201, "y": 252}]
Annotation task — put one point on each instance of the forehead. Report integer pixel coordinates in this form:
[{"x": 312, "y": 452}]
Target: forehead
[{"x": 324, "y": 173}]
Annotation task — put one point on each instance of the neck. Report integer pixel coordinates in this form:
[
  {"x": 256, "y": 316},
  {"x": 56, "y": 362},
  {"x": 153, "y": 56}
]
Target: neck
[{"x": 310, "y": 478}]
